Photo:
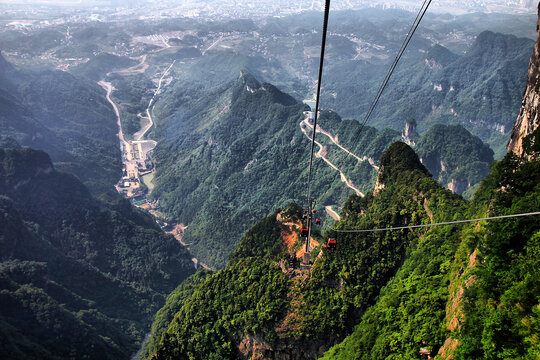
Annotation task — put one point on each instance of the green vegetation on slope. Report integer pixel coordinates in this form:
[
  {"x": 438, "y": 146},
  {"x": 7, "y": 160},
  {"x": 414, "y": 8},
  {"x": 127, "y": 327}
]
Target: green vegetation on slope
[
  {"x": 226, "y": 159},
  {"x": 79, "y": 278},
  {"x": 496, "y": 263},
  {"x": 501, "y": 308},
  {"x": 392, "y": 291},
  {"x": 174, "y": 302},
  {"x": 238, "y": 152},
  {"x": 69, "y": 118},
  {"x": 343, "y": 283},
  {"x": 481, "y": 89},
  {"x": 132, "y": 95},
  {"x": 97, "y": 67},
  {"x": 452, "y": 154}
]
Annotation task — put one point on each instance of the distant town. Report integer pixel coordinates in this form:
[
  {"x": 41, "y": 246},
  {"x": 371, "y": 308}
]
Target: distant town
[{"x": 38, "y": 13}]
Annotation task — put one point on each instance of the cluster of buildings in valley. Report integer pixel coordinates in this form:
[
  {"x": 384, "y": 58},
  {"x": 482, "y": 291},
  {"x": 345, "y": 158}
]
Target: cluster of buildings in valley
[{"x": 137, "y": 173}]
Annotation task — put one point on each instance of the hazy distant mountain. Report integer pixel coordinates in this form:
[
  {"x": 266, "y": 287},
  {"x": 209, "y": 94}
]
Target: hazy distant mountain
[
  {"x": 267, "y": 7},
  {"x": 66, "y": 116},
  {"x": 481, "y": 89}
]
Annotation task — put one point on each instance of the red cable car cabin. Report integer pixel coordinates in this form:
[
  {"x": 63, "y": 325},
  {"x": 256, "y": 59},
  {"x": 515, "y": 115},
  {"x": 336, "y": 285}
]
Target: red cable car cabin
[
  {"x": 304, "y": 232},
  {"x": 318, "y": 221},
  {"x": 331, "y": 244}
]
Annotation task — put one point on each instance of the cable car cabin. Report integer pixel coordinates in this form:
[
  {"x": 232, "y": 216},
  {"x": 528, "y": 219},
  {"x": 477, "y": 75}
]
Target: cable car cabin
[
  {"x": 304, "y": 232},
  {"x": 318, "y": 222},
  {"x": 314, "y": 211},
  {"x": 331, "y": 244}
]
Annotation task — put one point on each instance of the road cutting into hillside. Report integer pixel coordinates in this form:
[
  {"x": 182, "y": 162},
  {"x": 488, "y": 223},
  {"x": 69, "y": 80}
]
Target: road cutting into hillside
[
  {"x": 109, "y": 88},
  {"x": 334, "y": 139},
  {"x": 141, "y": 133},
  {"x": 334, "y": 215},
  {"x": 322, "y": 154}
]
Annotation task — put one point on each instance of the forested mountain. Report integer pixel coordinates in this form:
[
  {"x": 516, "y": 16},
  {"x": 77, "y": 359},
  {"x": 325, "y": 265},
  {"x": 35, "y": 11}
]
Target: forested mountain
[
  {"x": 226, "y": 159},
  {"x": 231, "y": 156},
  {"x": 80, "y": 278},
  {"x": 471, "y": 292},
  {"x": 462, "y": 291},
  {"x": 480, "y": 90},
  {"x": 166, "y": 314},
  {"x": 65, "y": 116},
  {"x": 82, "y": 271},
  {"x": 280, "y": 312},
  {"x": 98, "y": 67},
  {"x": 457, "y": 159},
  {"x": 406, "y": 289}
]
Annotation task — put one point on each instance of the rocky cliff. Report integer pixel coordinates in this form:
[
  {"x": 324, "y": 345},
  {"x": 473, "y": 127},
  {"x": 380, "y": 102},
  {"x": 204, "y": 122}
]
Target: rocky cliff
[
  {"x": 409, "y": 134},
  {"x": 527, "y": 120}
]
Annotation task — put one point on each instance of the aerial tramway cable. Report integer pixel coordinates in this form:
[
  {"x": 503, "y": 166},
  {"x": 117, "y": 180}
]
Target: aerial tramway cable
[
  {"x": 437, "y": 224},
  {"x": 374, "y": 103},
  {"x": 377, "y": 97},
  {"x": 321, "y": 63},
  {"x": 406, "y": 42},
  {"x": 402, "y": 49}
]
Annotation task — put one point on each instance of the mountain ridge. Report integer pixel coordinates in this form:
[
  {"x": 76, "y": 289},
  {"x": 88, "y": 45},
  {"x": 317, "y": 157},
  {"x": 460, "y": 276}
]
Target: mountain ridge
[
  {"x": 79, "y": 276},
  {"x": 66, "y": 116},
  {"x": 480, "y": 90}
]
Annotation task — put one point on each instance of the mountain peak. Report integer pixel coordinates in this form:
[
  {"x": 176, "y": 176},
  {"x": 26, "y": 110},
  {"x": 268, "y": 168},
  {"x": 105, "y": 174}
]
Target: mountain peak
[
  {"x": 439, "y": 56},
  {"x": 396, "y": 160},
  {"x": 489, "y": 44},
  {"x": 248, "y": 81}
]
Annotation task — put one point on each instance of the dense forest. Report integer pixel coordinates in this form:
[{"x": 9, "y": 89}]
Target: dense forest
[
  {"x": 476, "y": 286},
  {"x": 392, "y": 291},
  {"x": 85, "y": 274},
  {"x": 80, "y": 277},
  {"x": 455, "y": 157},
  {"x": 480, "y": 90},
  {"x": 239, "y": 153}
]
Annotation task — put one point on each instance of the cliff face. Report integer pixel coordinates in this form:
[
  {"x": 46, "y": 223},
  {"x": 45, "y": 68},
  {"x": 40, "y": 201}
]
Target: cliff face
[
  {"x": 527, "y": 120},
  {"x": 409, "y": 134}
]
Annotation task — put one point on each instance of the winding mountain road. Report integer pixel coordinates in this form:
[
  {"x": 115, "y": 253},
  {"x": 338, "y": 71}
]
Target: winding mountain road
[
  {"x": 335, "y": 141},
  {"x": 109, "y": 88},
  {"x": 135, "y": 69},
  {"x": 127, "y": 146},
  {"x": 141, "y": 133},
  {"x": 334, "y": 215},
  {"x": 322, "y": 154}
]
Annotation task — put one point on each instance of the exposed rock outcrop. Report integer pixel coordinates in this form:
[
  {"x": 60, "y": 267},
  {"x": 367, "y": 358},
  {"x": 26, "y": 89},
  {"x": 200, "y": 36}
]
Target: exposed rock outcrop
[
  {"x": 409, "y": 134},
  {"x": 528, "y": 120},
  {"x": 458, "y": 186}
]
